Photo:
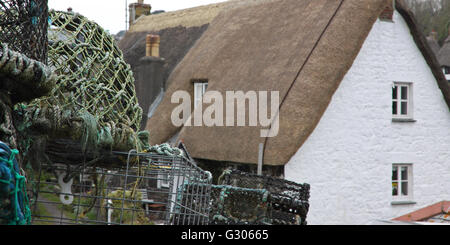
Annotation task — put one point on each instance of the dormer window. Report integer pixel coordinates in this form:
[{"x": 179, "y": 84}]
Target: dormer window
[
  {"x": 446, "y": 70},
  {"x": 402, "y": 101},
  {"x": 200, "y": 87}
]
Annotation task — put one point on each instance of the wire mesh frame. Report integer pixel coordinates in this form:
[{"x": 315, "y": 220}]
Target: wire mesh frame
[
  {"x": 23, "y": 26},
  {"x": 288, "y": 201},
  {"x": 239, "y": 206},
  {"x": 155, "y": 193}
]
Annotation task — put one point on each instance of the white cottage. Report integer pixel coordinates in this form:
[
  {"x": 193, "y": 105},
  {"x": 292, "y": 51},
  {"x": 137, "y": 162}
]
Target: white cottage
[
  {"x": 384, "y": 135},
  {"x": 364, "y": 107}
]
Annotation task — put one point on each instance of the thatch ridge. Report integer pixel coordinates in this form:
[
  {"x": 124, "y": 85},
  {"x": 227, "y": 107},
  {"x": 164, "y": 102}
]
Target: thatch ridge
[{"x": 196, "y": 16}]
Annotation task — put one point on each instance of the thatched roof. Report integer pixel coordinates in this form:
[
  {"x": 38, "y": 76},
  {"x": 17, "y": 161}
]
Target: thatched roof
[
  {"x": 444, "y": 54},
  {"x": 178, "y": 31},
  {"x": 300, "y": 48},
  {"x": 190, "y": 17},
  {"x": 434, "y": 45}
]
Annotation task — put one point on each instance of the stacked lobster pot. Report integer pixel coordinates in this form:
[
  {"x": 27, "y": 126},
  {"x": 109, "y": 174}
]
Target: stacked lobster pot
[
  {"x": 23, "y": 26},
  {"x": 245, "y": 198}
]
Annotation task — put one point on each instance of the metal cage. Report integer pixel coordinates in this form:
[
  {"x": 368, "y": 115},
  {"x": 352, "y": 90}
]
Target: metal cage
[
  {"x": 23, "y": 26},
  {"x": 157, "y": 191},
  {"x": 246, "y": 198}
]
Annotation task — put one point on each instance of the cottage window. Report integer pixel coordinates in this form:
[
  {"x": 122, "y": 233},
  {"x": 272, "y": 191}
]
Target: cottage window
[
  {"x": 402, "y": 182},
  {"x": 446, "y": 70},
  {"x": 402, "y": 101},
  {"x": 200, "y": 87}
]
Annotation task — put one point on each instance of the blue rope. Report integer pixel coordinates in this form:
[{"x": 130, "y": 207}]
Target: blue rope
[{"x": 12, "y": 188}]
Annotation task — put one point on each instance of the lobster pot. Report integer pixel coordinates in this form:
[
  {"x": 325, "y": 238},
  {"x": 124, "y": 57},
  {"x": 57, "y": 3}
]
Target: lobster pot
[
  {"x": 151, "y": 191},
  {"x": 239, "y": 206},
  {"x": 23, "y": 26},
  {"x": 287, "y": 201}
]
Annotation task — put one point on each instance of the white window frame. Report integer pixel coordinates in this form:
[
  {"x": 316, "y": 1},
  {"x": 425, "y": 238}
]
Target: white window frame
[
  {"x": 446, "y": 70},
  {"x": 163, "y": 180},
  {"x": 409, "y": 180},
  {"x": 399, "y": 100},
  {"x": 199, "y": 91}
]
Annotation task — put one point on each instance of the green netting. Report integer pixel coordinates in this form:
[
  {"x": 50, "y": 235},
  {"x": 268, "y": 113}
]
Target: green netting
[
  {"x": 94, "y": 100},
  {"x": 92, "y": 69}
]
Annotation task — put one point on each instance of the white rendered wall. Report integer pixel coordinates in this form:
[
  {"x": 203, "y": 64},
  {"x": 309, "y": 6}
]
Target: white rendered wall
[{"x": 348, "y": 158}]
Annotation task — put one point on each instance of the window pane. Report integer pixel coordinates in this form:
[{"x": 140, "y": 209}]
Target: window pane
[
  {"x": 404, "y": 188},
  {"x": 404, "y": 93},
  {"x": 394, "y": 188},
  {"x": 404, "y": 173},
  {"x": 394, "y": 92},
  {"x": 404, "y": 109},
  {"x": 394, "y": 108},
  {"x": 395, "y": 173}
]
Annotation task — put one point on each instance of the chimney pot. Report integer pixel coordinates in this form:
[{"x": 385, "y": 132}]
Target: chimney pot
[
  {"x": 388, "y": 12},
  {"x": 138, "y": 9},
  {"x": 434, "y": 35},
  {"x": 152, "y": 45}
]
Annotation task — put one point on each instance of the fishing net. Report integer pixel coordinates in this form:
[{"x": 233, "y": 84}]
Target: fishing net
[
  {"x": 94, "y": 101},
  {"x": 23, "y": 25},
  {"x": 89, "y": 110},
  {"x": 92, "y": 69}
]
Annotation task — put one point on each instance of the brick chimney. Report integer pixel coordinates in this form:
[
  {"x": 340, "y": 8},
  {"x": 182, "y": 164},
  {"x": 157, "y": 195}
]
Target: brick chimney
[
  {"x": 388, "y": 12},
  {"x": 434, "y": 35},
  {"x": 149, "y": 76},
  {"x": 137, "y": 10}
]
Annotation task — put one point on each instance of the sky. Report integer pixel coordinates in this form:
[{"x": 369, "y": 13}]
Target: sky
[{"x": 110, "y": 14}]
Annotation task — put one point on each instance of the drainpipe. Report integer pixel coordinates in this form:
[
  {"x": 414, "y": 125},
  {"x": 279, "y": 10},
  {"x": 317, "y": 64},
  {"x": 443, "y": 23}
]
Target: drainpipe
[{"x": 260, "y": 158}]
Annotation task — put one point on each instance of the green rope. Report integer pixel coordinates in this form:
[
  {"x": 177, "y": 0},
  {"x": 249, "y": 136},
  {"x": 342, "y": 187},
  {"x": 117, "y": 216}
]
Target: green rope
[
  {"x": 165, "y": 149},
  {"x": 19, "y": 189}
]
